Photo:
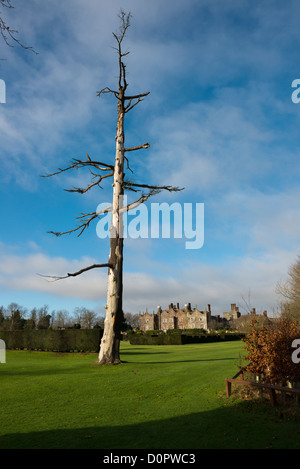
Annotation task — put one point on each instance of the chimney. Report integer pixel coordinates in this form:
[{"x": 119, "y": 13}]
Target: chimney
[
  {"x": 159, "y": 309},
  {"x": 177, "y": 305},
  {"x": 208, "y": 308},
  {"x": 233, "y": 307},
  {"x": 171, "y": 306}
]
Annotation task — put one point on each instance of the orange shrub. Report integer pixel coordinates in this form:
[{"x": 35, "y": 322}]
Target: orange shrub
[{"x": 270, "y": 352}]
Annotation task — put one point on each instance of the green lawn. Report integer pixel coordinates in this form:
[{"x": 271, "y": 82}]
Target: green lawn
[{"x": 161, "y": 397}]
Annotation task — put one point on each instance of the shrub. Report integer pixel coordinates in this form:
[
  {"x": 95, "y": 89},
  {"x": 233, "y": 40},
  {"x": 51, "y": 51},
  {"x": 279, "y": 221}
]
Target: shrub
[{"x": 270, "y": 352}]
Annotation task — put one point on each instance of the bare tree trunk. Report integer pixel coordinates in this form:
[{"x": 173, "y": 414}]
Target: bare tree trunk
[{"x": 109, "y": 348}]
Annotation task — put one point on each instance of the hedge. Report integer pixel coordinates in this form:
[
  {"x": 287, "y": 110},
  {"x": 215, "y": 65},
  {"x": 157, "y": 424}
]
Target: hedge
[
  {"x": 88, "y": 340},
  {"x": 181, "y": 339},
  {"x": 68, "y": 340},
  {"x": 201, "y": 338}
]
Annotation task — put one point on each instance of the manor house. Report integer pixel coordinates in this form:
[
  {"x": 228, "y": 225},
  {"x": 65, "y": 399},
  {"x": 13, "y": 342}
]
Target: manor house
[{"x": 185, "y": 318}]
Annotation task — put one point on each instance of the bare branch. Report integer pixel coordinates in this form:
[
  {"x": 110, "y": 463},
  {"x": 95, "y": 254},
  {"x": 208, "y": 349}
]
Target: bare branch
[
  {"x": 79, "y": 272},
  {"x": 98, "y": 164},
  {"x": 128, "y": 167},
  {"x": 139, "y": 147},
  {"x": 7, "y": 33},
  {"x": 107, "y": 90},
  {"x": 138, "y": 202},
  {"x": 129, "y": 185},
  {"x": 119, "y": 36},
  {"x": 81, "y": 164},
  {"x": 137, "y": 96},
  {"x": 96, "y": 183},
  {"x": 85, "y": 223},
  {"x": 128, "y": 107},
  {"x": 125, "y": 23},
  {"x": 122, "y": 54}
]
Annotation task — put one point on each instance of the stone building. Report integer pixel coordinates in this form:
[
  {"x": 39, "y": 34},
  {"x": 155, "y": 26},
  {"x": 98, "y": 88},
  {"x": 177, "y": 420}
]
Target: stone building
[
  {"x": 148, "y": 322},
  {"x": 185, "y": 318},
  {"x": 232, "y": 314}
]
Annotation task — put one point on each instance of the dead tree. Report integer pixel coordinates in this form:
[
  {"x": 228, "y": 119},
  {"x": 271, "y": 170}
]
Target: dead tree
[{"x": 110, "y": 343}]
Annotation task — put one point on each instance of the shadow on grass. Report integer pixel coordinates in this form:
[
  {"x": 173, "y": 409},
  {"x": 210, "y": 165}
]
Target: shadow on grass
[
  {"x": 131, "y": 352},
  {"x": 167, "y": 362},
  {"x": 229, "y": 427},
  {"x": 42, "y": 372}
]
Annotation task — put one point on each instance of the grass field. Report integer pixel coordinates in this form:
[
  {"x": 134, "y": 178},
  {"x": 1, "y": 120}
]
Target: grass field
[{"x": 161, "y": 397}]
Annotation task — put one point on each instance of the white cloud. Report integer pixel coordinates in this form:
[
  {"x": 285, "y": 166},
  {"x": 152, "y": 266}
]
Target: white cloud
[
  {"x": 24, "y": 273},
  {"x": 195, "y": 282}
]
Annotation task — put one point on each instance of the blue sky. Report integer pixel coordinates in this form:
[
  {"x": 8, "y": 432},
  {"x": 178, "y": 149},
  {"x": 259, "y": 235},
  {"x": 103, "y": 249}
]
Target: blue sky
[{"x": 220, "y": 122}]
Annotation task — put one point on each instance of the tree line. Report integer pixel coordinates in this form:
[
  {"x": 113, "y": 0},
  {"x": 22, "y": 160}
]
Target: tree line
[{"x": 17, "y": 317}]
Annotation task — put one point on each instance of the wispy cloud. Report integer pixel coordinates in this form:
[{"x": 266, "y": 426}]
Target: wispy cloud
[{"x": 196, "y": 282}]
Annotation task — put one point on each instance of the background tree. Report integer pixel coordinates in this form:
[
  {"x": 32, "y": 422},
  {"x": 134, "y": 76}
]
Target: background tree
[
  {"x": 16, "y": 315},
  {"x": 62, "y": 319},
  {"x": 43, "y": 318},
  {"x": 110, "y": 343},
  {"x": 32, "y": 320},
  {"x": 133, "y": 320},
  {"x": 100, "y": 323},
  {"x": 290, "y": 291},
  {"x": 85, "y": 317}
]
